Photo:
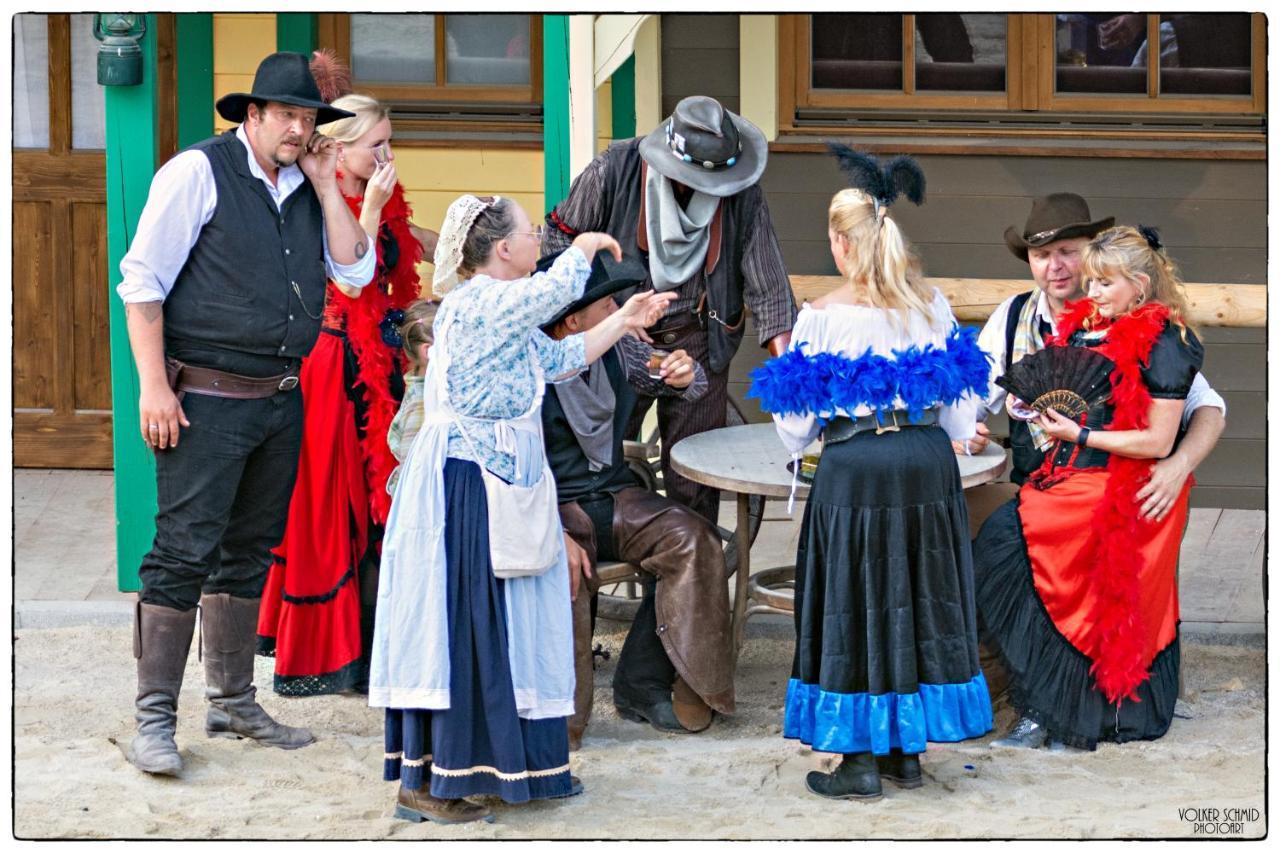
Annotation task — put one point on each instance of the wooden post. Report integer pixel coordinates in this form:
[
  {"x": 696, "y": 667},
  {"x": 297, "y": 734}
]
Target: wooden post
[
  {"x": 296, "y": 31},
  {"x": 193, "y": 58},
  {"x": 624, "y": 99},
  {"x": 555, "y": 109},
  {"x": 131, "y": 118}
]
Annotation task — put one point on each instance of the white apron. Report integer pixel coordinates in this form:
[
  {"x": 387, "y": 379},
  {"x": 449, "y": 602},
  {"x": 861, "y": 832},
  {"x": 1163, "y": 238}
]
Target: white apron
[{"x": 409, "y": 665}]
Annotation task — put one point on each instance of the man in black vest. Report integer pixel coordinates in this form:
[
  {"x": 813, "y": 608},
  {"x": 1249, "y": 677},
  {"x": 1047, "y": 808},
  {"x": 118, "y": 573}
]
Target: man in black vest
[
  {"x": 224, "y": 291},
  {"x": 685, "y": 200},
  {"x": 1051, "y": 242},
  {"x": 676, "y": 663}
]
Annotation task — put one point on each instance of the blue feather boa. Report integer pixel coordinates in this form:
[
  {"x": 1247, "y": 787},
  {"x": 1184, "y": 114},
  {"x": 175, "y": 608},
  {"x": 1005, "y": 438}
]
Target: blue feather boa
[{"x": 796, "y": 383}]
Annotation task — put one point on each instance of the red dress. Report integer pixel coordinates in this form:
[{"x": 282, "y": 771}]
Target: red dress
[{"x": 317, "y": 608}]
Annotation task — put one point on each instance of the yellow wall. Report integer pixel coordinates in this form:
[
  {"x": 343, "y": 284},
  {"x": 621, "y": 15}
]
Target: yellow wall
[{"x": 432, "y": 177}]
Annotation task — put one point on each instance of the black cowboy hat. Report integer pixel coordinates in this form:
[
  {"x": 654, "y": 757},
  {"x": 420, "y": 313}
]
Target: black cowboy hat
[
  {"x": 1057, "y": 216},
  {"x": 704, "y": 146},
  {"x": 283, "y": 77},
  {"x": 607, "y": 278}
]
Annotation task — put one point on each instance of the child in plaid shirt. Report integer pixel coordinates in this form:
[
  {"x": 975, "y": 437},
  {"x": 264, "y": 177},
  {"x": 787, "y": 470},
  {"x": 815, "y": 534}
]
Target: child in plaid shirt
[{"x": 418, "y": 337}]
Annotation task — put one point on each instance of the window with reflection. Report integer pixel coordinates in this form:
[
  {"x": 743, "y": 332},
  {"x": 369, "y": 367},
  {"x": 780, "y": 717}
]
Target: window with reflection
[
  {"x": 1206, "y": 54},
  {"x": 961, "y": 53},
  {"x": 393, "y": 48}
]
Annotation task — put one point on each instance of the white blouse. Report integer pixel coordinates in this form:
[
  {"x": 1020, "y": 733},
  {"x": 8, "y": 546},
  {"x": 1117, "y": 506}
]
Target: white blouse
[{"x": 850, "y": 330}]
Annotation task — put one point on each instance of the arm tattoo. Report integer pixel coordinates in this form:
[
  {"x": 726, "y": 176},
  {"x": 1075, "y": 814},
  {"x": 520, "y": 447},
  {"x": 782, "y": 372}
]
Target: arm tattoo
[
  {"x": 361, "y": 249},
  {"x": 149, "y": 311}
]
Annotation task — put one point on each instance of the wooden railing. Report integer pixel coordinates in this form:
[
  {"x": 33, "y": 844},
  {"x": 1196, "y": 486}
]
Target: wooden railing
[{"x": 973, "y": 299}]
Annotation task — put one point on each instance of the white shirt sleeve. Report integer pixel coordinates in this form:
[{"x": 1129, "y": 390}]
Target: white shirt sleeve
[
  {"x": 357, "y": 274},
  {"x": 798, "y": 431},
  {"x": 182, "y": 199},
  {"x": 992, "y": 341},
  {"x": 1201, "y": 394}
]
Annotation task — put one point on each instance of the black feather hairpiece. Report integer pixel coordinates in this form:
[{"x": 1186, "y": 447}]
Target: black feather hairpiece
[
  {"x": 882, "y": 181},
  {"x": 1152, "y": 237}
]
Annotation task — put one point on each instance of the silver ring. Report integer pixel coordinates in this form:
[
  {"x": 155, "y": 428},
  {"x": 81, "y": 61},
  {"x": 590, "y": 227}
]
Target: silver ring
[{"x": 155, "y": 427}]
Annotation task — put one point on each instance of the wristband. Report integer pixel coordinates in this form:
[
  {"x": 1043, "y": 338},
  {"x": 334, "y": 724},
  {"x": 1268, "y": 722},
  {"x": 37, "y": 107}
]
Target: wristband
[{"x": 1083, "y": 438}]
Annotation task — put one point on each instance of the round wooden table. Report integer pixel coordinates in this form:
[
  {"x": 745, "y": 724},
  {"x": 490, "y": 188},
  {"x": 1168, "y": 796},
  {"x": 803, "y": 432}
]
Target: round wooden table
[{"x": 750, "y": 460}]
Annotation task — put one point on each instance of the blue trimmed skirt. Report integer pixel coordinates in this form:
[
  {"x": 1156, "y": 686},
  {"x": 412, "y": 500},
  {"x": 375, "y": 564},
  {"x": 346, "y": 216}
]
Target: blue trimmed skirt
[
  {"x": 886, "y": 625},
  {"x": 479, "y": 745}
]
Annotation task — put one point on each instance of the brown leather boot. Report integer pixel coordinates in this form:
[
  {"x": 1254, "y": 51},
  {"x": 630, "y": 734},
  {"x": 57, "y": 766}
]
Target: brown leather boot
[
  {"x": 161, "y": 641},
  {"x": 694, "y": 714},
  {"x": 228, "y": 630},
  {"x": 418, "y": 805}
]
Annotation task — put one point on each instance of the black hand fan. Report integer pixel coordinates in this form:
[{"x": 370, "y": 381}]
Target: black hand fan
[{"x": 1069, "y": 380}]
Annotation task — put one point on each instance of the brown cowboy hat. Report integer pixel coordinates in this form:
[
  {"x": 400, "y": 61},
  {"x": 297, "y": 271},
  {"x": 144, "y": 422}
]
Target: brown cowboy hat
[
  {"x": 285, "y": 78},
  {"x": 704, "y": 146},
  {"x": 1054, "y": 217}
]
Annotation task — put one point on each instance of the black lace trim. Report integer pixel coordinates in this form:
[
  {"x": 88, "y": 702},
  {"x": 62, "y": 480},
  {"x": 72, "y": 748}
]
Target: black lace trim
[
  {"x": 322, "y": 598},
  {"x": 349, "y": 677}
]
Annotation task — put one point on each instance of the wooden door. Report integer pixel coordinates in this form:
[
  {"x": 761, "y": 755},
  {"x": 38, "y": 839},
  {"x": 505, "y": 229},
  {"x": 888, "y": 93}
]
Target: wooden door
[{"x": 61, "y": 363}]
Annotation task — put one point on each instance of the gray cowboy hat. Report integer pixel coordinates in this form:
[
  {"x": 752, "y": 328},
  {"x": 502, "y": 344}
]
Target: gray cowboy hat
[
  {"x": 704, "y": 146},
  {"x": 1054, "y": 217},
  {"x": 607, "y": 278},
  {"x": 286, "y": 78}
]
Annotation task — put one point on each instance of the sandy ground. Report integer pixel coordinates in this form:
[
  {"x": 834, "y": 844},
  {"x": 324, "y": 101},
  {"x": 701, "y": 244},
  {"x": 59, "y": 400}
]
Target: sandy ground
[{"x": 739, "y": 780}]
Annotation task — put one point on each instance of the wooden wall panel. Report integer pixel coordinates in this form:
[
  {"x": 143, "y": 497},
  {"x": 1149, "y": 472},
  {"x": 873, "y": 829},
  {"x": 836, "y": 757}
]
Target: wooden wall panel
[
  {"x": 91, "y": 350},
  {"x": 699, "y": 57},
  {"x": 34, "y": 307}
]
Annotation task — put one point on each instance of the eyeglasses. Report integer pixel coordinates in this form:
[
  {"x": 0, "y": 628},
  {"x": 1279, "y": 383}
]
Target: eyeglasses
[{"x": 536, "y": 232}]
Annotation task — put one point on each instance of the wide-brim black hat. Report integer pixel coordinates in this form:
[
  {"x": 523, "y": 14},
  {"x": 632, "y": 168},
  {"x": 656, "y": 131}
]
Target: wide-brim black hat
[
  {"x": 284, "y": 77},
  {"x": 704, "y": 146},
  {"x": 1057, "y": 216},
  {"x": 607, "y": 278}
]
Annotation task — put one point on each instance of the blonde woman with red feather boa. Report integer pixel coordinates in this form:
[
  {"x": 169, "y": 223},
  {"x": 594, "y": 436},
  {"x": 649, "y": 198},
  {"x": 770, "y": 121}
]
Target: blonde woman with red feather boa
[
  {"x": 317, "y": 608},
  {"x": 1078, "y": 589}
]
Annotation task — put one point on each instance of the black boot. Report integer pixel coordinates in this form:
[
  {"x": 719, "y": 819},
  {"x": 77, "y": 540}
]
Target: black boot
[
  {"x": 228, "y": 626},
  {"x": 857, "y": 778},
  {"x": 162, "y": 638},
  {"x": 902, "y": 770}
]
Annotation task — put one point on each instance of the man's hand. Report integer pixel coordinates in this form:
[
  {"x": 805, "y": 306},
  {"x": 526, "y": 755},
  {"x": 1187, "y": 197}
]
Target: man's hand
[
  {"x": 160, "y": 415},
  {"x": 1160, "y": 492},
  {"x": 579, "y": 565},
  {"x": 778, "y": 344},
  {"x": 319, "y": 161},
  {"x": 973, "y": 446},
  {"x": 677, "y": 369},
  {"x": 643, "y": 310}
]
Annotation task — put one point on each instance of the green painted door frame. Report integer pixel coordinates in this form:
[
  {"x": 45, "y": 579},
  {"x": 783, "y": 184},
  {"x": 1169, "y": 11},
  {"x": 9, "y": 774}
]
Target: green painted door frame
[
  {"x": 296, "y": 31},
  {"x": 555, "y": 109},
  {"x": 193, "y": 60},
  {"x": 132, "y": 123},
  {"x": 624, "y": 99}
]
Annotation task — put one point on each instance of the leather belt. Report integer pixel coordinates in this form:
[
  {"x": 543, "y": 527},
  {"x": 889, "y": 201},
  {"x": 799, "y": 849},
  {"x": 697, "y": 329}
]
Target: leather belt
[
  {"x": 842, "y": 429},
  {"x": 218, "y": 383}
]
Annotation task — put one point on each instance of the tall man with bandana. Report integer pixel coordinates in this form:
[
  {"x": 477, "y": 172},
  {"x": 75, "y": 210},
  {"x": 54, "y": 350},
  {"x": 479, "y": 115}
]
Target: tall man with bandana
[{"x": 685, "y": 200}]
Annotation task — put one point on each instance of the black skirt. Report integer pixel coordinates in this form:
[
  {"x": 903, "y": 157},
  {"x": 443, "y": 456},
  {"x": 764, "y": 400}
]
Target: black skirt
[
  {"x": 886, "y": 625},
  {"x": 1049, "y": 678}
]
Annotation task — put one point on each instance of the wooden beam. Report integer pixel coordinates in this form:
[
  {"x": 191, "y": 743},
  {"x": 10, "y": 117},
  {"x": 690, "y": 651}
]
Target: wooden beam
[{"x": 974, "y": 299}]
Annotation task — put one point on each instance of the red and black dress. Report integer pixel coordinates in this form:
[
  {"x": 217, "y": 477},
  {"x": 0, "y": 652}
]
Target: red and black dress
[
  {"x": 1079, "y": 592},
  {"x": 317, "y": 607}
]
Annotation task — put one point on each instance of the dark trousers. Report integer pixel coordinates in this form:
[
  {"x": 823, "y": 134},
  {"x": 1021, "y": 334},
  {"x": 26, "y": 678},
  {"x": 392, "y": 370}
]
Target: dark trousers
[
  {"x": 679, "y": 419},
  {"x": 223, "y": 497}
]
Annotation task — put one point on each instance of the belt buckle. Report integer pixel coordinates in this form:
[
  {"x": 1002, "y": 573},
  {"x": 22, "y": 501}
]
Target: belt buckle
[
  {"x": 288, "y": 383},
  {"x": 881, "y": 429}
]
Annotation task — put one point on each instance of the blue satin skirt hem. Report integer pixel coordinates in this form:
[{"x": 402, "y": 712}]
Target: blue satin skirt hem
[{"x": 878, "y": 723}]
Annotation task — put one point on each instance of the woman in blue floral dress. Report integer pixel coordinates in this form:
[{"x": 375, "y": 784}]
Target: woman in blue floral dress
[{"x": 476, "y": 671}]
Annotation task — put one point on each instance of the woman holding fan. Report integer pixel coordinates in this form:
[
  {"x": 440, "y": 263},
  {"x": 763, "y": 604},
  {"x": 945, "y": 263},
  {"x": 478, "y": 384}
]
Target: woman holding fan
[
  {"x": 1076, "y": 587},
  {"x": 886, "y": 631}
]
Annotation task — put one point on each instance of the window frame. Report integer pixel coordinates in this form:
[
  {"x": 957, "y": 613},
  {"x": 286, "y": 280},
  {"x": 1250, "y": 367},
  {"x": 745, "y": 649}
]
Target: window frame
[
  {"x": 334, "y": 31},
  {"x": 1029, "y": 94}
]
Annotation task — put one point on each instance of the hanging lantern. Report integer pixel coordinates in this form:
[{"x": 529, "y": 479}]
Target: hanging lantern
[{"x": 119, "y": 56}]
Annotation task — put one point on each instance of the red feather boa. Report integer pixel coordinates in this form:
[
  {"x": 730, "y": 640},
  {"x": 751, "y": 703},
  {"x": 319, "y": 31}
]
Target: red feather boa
[
  {"x": 375, "y": 360},
  {"x": 1117, "y": 634}
]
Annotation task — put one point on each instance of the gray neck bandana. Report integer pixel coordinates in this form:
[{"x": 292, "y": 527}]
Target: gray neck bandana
[
  {"x": 678, "y": 238},
  {"x": 588, "y": 406}
]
